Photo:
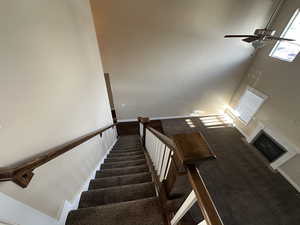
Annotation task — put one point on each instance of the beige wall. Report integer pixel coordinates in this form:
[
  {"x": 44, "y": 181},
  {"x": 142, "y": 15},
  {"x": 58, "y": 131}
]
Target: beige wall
[
  {"x": 169, "y": 58},
  {"x": 280, "y": 81},
  {"x": 52, "y": 90}
]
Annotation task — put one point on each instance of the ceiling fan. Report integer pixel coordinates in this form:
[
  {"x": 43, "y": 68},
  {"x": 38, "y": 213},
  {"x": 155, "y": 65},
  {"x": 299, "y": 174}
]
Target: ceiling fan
[{"x": 260, "y": 36}]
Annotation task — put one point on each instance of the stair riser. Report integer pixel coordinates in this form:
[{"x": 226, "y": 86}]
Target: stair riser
[
  {"x": 126, "y": 151},
  {"x": 121, "y": 180},
  {"x": 116, "y": 194},
  {"x": 120, "y": 172},
  {"x": 123, "y": 164},
  {"x": 111, "y": 155},
  {"x": 126, "y": 147},
  {"x": 129, "y": 142},
  {"x": 125, "y": 158}
]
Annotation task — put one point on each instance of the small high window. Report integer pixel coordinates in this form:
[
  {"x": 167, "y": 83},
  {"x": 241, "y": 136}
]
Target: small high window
[
  {"x": 288, "y": 50},
  {"x": 249, "y": 104}
]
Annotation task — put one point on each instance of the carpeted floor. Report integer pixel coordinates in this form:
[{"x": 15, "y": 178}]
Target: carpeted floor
[{"x": 245, "y": 190}]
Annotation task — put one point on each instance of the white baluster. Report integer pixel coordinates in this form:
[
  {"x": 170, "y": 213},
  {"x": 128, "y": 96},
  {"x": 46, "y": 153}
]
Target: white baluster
[
  {"x": 161, "y": 158},
  {"x": 165, "y": 164},
  {"x": 169, "y": 164},
  {"x": 188, "y": 203},
  {"x": 141, "y": 129},
  {"x": 202, "y": 223},
  {"x": 157, "y": 149}
]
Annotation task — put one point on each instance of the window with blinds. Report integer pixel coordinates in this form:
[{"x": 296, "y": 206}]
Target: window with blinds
[{"x": 249, "y": 104}]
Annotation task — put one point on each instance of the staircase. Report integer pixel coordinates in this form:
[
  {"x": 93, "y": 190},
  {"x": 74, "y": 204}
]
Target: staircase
[{"x": 122, "y": 193}]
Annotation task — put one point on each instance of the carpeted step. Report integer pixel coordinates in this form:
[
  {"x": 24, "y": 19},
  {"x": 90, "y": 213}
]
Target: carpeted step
[
  {"x": 121, "y": 147},
  {"x": 111, "y": 165},
  {"x": 139, "y": 212},
  {"x": 127, "y": 150},
  {"x": 129, "y": 137},
  {"x": 128, "y": 142},
  {"x": 124, "y": 158},
  {"x": 119, "y": 154},
  {"x": 126, "y": 146},
  {"x": 116, "y": 194},
  {"x": 121, "y": 171},
  {"x": 120, "y": 180}
]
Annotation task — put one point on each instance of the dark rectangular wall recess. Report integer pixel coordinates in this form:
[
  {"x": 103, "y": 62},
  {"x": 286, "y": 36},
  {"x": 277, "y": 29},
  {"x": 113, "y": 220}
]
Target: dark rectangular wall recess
[{"x": 268, "y": 146}]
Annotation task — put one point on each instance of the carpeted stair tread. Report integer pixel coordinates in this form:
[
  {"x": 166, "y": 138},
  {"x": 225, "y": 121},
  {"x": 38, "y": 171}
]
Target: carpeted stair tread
[
  {"x": 118, "y": 154},
  {"x": 121, "y": 171},
  {"x": 127, "y": 143},
  {"x": 112, "y": 165},
  {"x": 127, "y": 146},
  {"x": 116, "y": 194},
  {"x": 140, "y": 212},
  {"x": 126, "y": 150},
  {"x": 120, "y": 180},
  {"x": 124, "y": 158},
  {"x": 137, "y": 150}
]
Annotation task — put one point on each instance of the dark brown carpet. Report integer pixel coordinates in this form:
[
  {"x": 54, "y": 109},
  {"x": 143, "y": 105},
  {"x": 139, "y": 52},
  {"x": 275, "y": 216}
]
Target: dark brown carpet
[
  {"x": 122, "y": 192},
  {"x": 245, "y": 190}
]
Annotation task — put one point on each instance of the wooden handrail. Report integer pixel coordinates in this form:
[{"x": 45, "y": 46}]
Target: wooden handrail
[
  {"x": 190, "y": 149},
  {"x": 22, "y": 172},
  {"x": 186, "y": 146},
  {"x": 165, "y": 139},
  {"x": 205, "y": 202}
]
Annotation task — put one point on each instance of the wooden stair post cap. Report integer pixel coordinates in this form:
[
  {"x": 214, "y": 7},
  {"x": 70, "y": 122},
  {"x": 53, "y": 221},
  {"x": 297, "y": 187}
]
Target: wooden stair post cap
[{"x": 192, "y": 148}]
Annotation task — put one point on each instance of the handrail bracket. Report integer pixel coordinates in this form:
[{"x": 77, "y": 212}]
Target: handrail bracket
[{"x": 23, "y": 177}]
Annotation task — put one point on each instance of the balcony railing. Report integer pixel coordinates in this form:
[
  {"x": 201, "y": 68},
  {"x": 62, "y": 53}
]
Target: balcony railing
[{"x": 172, "y": 157}]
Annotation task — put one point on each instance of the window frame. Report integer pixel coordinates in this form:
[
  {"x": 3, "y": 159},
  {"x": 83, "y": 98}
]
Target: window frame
[
  {"x": 286, "y": 29},
  {"x": 264, "y": 97}
]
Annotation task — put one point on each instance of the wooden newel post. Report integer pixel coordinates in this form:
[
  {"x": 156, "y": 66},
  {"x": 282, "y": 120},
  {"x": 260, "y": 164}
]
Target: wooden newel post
[
  {"x": 191, "y": 148},
  {"x": 145, "y": 121}
]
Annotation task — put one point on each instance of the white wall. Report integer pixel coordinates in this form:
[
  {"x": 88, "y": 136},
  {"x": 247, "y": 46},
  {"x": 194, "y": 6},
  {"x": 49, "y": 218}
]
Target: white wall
[
  {"x": 52, "y": 90},
  {"x": 279, "y": 80},
  {"x": 169, "y": 58}
]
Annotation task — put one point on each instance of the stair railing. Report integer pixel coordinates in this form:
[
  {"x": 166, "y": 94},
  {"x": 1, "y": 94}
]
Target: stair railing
[
  {"x": 21, "y": 173},
  {"x": 177, "y": 156}
]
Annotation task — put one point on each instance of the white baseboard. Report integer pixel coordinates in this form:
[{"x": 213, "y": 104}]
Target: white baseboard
[
  {"x": 14, "y": 212},
  {"x": 287, "y": 177},
  {"x": 242, "y": 132},
  {"x": 67, "y": 207}
]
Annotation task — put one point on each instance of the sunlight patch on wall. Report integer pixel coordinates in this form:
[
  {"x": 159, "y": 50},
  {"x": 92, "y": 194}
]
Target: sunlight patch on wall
[
  {"x": 217, "y": 121},
  {"x": 190, "y": 123}
]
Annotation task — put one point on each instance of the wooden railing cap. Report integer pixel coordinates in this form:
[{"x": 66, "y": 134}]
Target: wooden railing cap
[{"x": 192, "y": 148}]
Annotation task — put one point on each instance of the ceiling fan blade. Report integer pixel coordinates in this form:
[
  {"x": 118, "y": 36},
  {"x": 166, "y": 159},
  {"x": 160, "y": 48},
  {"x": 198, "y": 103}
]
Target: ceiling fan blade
[
  {"x": 279, "y": 38},
  {"x": 251, "y": 39},
  {"x": 238, "y": 36}
]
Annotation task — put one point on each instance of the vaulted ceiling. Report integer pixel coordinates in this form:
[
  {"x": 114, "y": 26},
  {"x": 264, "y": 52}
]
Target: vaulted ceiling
[{"x": 169, "y": 58}]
